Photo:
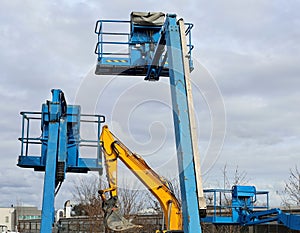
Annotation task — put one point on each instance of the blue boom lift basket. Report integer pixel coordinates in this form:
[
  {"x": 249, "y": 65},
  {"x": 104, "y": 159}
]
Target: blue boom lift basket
[
  {"x": 131, "y": 53},
  {"x": 74, "y": 142}
]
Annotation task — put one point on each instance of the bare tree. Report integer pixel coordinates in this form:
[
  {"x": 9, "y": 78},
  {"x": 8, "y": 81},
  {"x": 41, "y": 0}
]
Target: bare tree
[
  {"x": 131, "y": 198},
  {"x": 174, "y": 185},
  {"x": 85, "y": 192},
  {"x": 229, "y": 179},
  {"x": 291, "y": 193},
  {"x": 237, "y": 178},
  {"x": 153, "y": 203}
]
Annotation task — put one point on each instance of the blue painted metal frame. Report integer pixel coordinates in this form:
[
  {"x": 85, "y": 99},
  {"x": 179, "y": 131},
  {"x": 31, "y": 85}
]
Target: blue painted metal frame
[
  {"x": 60, "y": 142},
  {"x": 139, "y": 49},
  {"x": 242, "y": 210},
  {"x": 242, "y": 203},
  {"x": 75, "y": 163},
  {"x": 188, "y": 187},
  {"x": 48, "y": 209}
]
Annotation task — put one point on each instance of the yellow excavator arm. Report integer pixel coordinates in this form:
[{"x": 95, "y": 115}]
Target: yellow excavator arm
[{"x": 113, "y": 150}]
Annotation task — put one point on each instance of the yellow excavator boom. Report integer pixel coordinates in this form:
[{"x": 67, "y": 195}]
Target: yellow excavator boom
[{"x": 113, "y": 150}]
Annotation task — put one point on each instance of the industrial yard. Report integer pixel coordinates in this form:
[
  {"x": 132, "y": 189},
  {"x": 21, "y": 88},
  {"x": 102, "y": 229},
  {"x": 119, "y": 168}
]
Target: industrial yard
[{"x": 137, "y": 144}]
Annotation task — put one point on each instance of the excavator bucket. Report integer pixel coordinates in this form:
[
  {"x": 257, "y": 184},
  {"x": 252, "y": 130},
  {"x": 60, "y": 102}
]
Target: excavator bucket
[
  {"x": 113, "y": 219},
  {"x": 116, "y": 222}
]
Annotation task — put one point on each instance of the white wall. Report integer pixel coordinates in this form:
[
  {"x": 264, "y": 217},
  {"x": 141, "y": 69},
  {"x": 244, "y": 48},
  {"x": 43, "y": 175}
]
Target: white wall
[{"x": 7, "y": 217}]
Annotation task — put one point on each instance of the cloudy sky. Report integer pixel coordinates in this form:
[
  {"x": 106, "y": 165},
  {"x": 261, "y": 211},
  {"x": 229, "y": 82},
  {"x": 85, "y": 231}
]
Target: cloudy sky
[{"x": 246, "y": 87}]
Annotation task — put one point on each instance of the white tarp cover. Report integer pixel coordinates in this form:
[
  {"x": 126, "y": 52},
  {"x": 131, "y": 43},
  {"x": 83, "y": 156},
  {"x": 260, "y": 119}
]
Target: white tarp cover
[{"x": 148, "y": 18}]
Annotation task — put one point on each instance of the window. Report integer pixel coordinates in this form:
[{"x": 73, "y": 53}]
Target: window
[{"x": 6, "y": 219}]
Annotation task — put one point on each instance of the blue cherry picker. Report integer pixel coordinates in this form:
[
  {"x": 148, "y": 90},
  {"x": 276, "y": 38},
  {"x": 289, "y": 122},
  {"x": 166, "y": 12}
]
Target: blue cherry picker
[
  {"x": 157, "y": 46},
  {"x": 60, "y": 144}
]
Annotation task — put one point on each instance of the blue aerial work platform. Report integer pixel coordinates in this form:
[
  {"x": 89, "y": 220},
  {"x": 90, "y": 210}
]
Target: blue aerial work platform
[
  {"x": 156, "y": 45},
  {"x": 240, "y": 206},
  {"x": 59, "y": 144},
  {"x": 138, "y": 49}
]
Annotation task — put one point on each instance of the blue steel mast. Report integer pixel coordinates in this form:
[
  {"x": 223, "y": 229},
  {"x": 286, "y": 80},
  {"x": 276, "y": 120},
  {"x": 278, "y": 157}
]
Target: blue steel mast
[
  {"x": 57, "y": 128},
  {"x": 183, "y": 128}
]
